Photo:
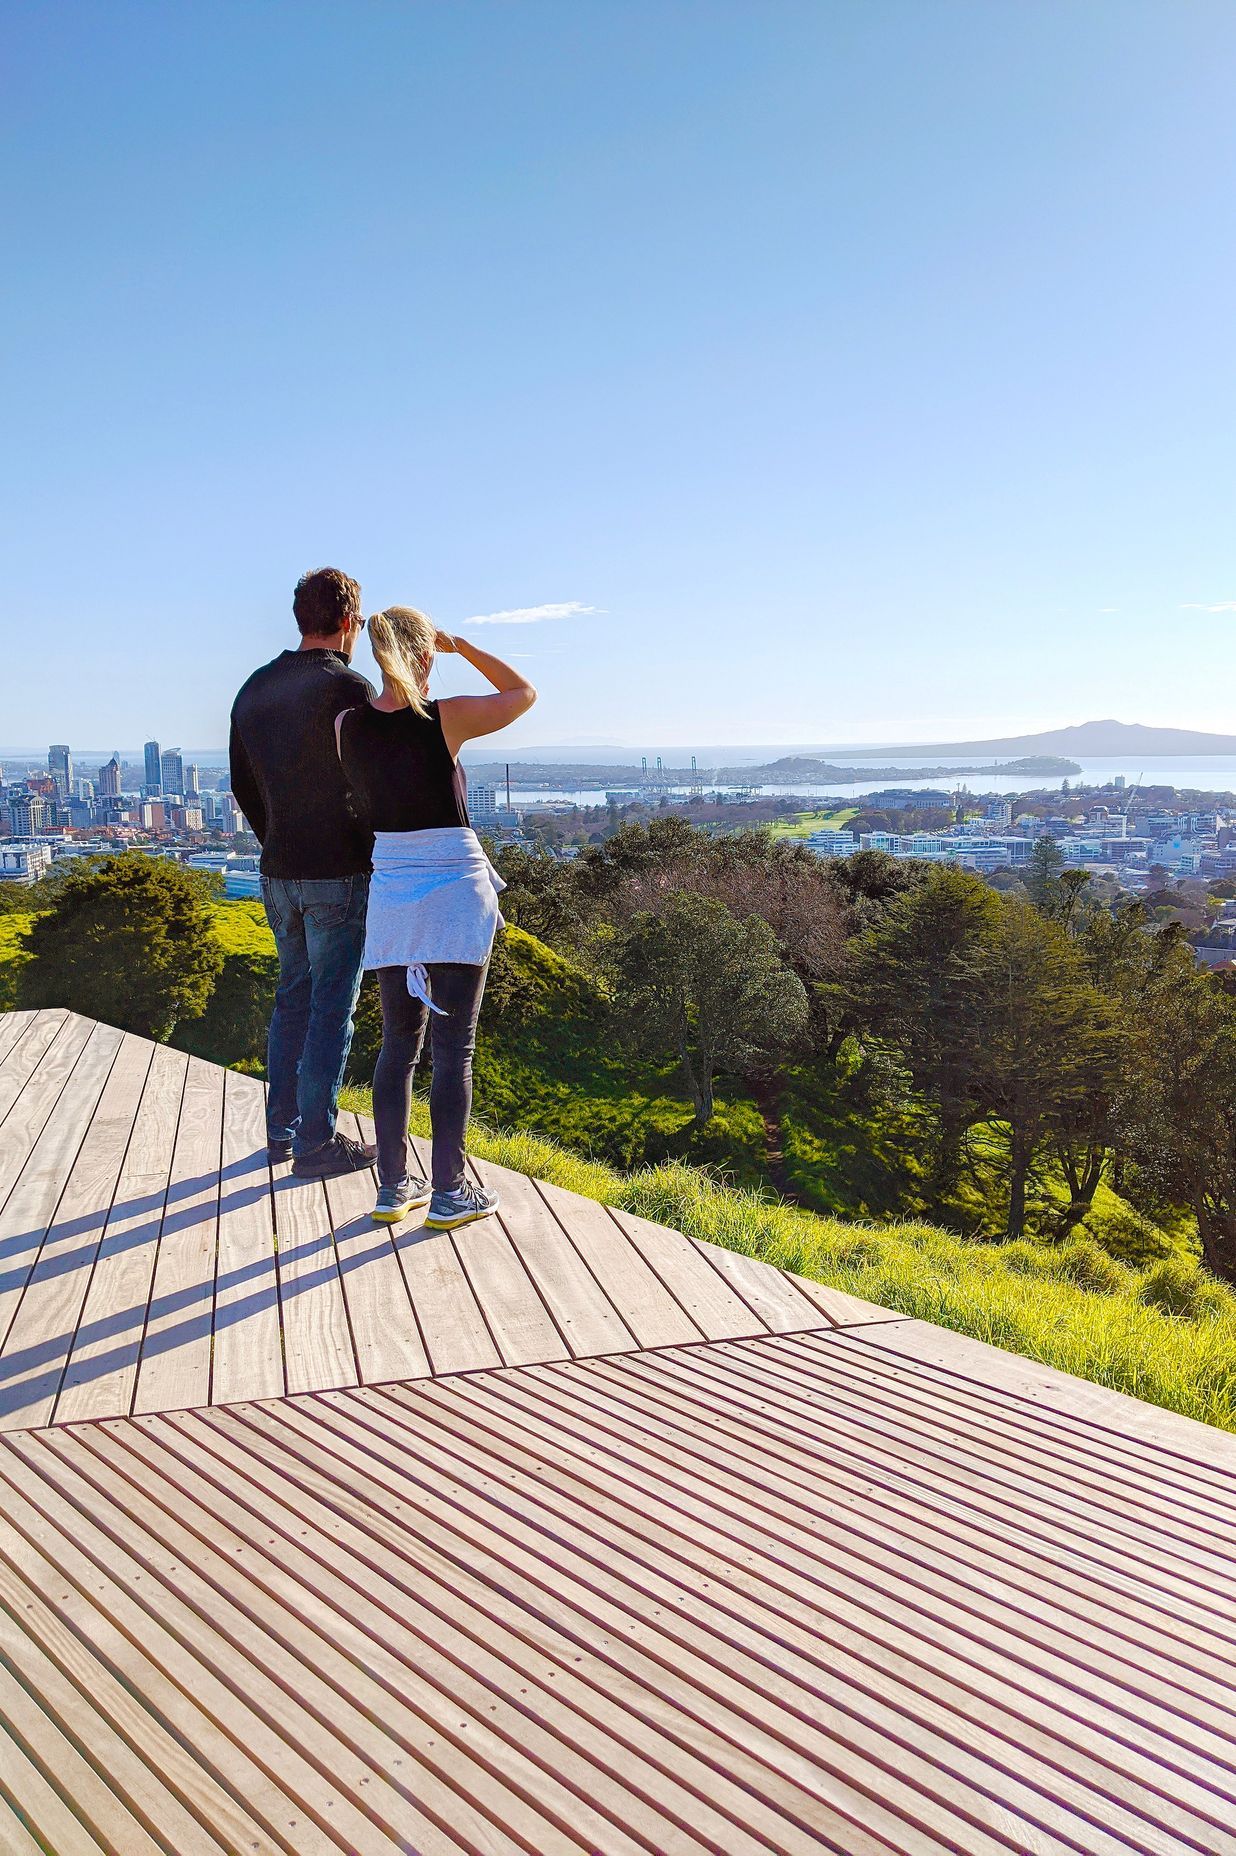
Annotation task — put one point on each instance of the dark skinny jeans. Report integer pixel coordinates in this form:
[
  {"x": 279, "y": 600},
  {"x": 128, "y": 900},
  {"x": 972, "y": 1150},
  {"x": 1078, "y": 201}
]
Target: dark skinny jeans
[{"x": 458, "y": 990}]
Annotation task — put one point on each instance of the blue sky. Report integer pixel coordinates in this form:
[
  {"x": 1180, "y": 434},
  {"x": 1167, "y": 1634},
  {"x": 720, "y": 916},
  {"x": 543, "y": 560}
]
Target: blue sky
[{"x": 866, "y": 366}]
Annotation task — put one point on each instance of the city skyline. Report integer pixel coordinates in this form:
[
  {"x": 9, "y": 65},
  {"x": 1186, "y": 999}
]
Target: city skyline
[{"x": 829, "y": 374}]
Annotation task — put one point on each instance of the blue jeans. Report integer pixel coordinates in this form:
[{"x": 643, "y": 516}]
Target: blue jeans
[{"x": 319, "y": 929}]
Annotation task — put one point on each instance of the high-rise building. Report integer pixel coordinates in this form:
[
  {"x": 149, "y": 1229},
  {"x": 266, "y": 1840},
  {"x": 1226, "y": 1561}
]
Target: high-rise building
[
  {"x": 109, "y": 778},
  {"x": 193, "y": 780},
  {"x": 29, "y": 814},
  {"x": 60, "y": 766},
  {"x": 154, "y": 769},
  {"x": 173, "y": 771}
]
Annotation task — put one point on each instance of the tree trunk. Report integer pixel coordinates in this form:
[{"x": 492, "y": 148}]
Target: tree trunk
[
  {"x": 698, "y": 1078},
  {"x": 1083, "y": 1183},
  {"x": 1020, "y": 1156},
  {"x": 1217, "y": 1230}
]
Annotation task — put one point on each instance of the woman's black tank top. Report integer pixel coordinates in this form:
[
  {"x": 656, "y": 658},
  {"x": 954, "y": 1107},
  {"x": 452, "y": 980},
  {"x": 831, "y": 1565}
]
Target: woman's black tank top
[{"x": 400, "y": 769}]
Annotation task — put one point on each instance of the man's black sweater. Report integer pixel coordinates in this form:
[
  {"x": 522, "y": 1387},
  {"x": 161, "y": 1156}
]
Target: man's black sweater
[{"x": 286, "y": 776}]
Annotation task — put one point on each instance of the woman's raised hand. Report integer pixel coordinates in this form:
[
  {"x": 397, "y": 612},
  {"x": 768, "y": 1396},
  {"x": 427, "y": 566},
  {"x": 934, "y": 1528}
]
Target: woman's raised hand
[{"x": 443, "y": 642}]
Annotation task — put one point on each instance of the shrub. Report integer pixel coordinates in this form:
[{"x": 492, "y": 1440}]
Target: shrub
[{"x": 1178, "y": 1287}]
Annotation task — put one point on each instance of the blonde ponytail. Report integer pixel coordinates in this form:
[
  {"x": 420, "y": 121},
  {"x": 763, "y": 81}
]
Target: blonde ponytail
[{"x": 403, "y": 639}]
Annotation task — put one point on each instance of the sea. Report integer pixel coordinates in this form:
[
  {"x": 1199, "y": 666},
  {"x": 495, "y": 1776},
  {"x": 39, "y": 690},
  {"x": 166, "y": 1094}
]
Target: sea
[{"x": 1211, "y": 773}]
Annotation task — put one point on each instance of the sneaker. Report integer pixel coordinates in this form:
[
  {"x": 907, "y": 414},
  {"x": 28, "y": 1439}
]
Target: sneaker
[
  {"x": 449, "y": 1209},
  {"x": 277, "y": 1151},
  {"x": 339, "y": 1155},
  {"x": 395, "y": 1202}
]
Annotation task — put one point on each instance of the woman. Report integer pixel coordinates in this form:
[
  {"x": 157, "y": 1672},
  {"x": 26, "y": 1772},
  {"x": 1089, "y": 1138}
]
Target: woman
[{"x": 433, "y": 899}]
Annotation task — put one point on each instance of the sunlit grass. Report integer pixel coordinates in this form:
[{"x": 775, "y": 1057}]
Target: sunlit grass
[
  {"x": 1070, "y": 1306},
  {"x": 805, "y": 823}
]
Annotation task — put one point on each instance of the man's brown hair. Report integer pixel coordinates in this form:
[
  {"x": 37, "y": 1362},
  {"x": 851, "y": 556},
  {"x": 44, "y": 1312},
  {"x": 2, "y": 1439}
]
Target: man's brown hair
[{"x": 325, "y": 601}]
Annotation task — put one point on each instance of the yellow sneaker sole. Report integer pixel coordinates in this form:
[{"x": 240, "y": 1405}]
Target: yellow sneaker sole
[
  {"x": 453, "y": 1224},
  {"x": 399, "y": 1213}
]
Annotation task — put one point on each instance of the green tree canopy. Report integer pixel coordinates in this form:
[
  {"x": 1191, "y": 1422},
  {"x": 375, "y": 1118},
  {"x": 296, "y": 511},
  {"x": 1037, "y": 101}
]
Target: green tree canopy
[
  {"x": 992, "y": 1010},
  {"x": 1178, "y": 1109},
  {"x": 128, "y": 940},
  {"x": 694, "y": 983}
]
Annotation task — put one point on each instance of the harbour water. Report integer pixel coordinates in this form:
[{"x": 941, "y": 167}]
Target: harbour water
[{"x": 1213, "y": 773}]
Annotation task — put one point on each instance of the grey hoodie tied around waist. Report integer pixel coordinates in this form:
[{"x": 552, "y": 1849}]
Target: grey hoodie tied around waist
[{"x": 433, "y": 897}]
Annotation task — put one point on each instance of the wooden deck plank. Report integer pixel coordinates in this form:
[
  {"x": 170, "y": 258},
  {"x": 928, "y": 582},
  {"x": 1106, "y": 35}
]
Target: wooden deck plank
[
  {"x": 1055, "y": 1616},
  {"x": 644, "y": 1303},
  {"x": 388, "y": 1343},
  {"x": 455, "y": 1335},
  {"x": 734, "y": 1788},
  {"x": 729, "y": 1514},
  {"x": 1053, "y": 1391},
  {"x": 842, "y": 1309},
  {"x": 603, "y": 1748},
  {"x": 31, "y": 1204},
  {"x": 417, "y": 1653},
  {"x": 781, "y": 1761},
  {"x": 102, "y": 1367},
  {"x": 774, "y": 1298},
  {"x": 40, "y": 1815},
  {"x": 621, "y": 1508},
  {"x": 44, "y": 1739},
  {"x": 518, "y": 1321},
  {"x": 810, "y": 1604},
  {"x": 39, "y": 1091},
  {"x": 716, "y": 1310},
  {"x": 257, "y": 1739},
  {"x": 962, "y": 1462},
  {"x": 25, "y": 1054},
  {"x": 132, "y": 1783},
  {"x": 1050, "y": 1454},
  {"x": 41, "y": 1335},
  {"x": 600, "y": 1749},
  {"x": 13, "y": 1026},
  {"x": 317, "y": 1342},
  {"x": 283, "y": 1633},
  {"x": 248, "y": 1343},
  {"x": 174, "y": 1368},
  {"x": 582, "y": 1311},
  {"x": 448, "y": 1316},
  {"x": 690, "y": 1588}
]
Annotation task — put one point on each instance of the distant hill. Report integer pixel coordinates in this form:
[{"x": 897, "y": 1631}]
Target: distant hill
[{"x": 1121, "y": 738}]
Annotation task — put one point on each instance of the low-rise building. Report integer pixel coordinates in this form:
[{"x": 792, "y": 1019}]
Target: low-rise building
[
  {"x": 828, "y": 843},
  {"x": 24, "y": 862},
  {"x": 908, "y": 799}
]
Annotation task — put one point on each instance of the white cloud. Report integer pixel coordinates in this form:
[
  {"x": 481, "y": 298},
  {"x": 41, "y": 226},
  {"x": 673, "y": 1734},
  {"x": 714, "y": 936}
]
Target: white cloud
[
  {"x": 532, "y": 615},
  {"x": 1109, "y": 608},
  {"x": 1222, "y": 605}
]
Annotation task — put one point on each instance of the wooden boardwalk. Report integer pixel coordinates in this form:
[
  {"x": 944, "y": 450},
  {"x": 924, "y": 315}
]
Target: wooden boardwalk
[
  {"x": 149, "y": 1261},
  {"x": 561, "y": 1535}
]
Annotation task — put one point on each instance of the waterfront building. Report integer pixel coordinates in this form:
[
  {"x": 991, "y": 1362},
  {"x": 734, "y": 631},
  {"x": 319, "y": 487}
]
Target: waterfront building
[{"x": 907, "y": 799}]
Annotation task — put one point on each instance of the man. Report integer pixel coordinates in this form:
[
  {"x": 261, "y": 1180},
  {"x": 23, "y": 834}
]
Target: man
[{"x": 316, "y": 855}]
